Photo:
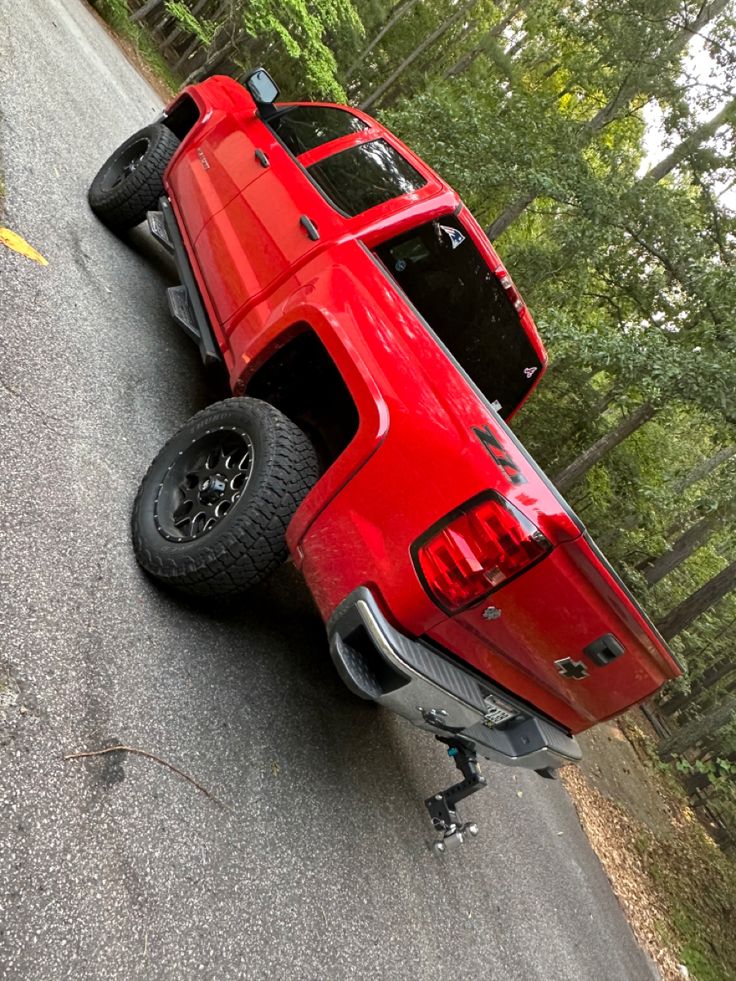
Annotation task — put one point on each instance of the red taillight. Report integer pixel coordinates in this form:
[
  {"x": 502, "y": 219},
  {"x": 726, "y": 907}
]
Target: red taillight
[{"x": 479, "y": 548}]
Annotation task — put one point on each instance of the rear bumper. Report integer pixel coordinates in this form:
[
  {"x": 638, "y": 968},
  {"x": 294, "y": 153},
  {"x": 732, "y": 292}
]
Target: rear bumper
[{"x": 379, "y": 663}]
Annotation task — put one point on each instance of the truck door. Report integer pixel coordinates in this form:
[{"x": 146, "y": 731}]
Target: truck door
[
  {"x": 272, "y": 220},
  {"x": 208, "y": 174}
]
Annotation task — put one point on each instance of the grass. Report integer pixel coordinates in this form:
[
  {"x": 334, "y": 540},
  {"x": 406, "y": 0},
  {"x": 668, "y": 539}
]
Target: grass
[
  {"x": 117, "y": 15},
  {"x": 696, "y": 880},
  {"x": 699, "y": 884}
]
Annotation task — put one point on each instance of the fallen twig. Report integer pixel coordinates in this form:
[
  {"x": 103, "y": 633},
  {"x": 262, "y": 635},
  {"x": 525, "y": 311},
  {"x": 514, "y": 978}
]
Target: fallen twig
[{"x": 150, "y": 756}]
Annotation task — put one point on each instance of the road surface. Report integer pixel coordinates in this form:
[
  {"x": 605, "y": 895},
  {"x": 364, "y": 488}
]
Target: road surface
[{"x": 316, "y": 867}]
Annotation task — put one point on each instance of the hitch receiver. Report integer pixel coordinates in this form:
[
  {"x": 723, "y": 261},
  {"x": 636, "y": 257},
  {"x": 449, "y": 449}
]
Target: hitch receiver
[{"x": 441, "y": 806}]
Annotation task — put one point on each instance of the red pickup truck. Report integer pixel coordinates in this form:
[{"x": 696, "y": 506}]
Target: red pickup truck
[{"x": 376, "y": 348}]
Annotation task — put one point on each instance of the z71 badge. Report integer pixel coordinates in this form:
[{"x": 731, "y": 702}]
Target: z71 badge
[{"x": 501, "y": 457}]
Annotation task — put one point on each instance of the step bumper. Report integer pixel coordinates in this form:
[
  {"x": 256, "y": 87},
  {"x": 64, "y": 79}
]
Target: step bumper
[{"x": 379, "y": 663}]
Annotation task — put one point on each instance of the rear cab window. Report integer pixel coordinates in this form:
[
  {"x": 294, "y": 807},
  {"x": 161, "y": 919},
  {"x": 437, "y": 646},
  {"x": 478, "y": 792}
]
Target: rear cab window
[
  {"x": 305, "y": 127},
  {"x": 445, "y": 277},
  {"x": 364, "y": 176},
  {"x": 356, "y": 177}
]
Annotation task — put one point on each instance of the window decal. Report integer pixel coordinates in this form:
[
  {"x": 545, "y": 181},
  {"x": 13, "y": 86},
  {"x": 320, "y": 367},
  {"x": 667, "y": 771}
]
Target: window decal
[{"x": 454, "y": 234}]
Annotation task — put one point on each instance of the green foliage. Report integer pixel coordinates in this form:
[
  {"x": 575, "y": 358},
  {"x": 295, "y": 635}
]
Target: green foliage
[
  {"x": 295, "y": 34},
  {"x": 295, "y": 38},
  {"x": 203, "y": 29},
  {"x": 718, "y": 771},
  {"x": 696, "y": 881},
  {"x": 117, "y": 14}
]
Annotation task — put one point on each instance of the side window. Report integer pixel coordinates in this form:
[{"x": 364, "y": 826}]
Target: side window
[
  {"x": 303, "y": 128},
  {"x": 364, "y": 176}
]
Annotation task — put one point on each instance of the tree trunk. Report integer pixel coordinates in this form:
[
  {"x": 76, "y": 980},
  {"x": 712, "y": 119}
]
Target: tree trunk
[
  {"x": 160, "y": 23},
  {"x": 629, "y": 87},
  {"x": 214, "y": 56},
  {"x": 145, "y": 10},
  {"x": 188, "y": 53},
  {"x": 415, "y": 53},
  {"x": 588, "y": 458},
  {"x": 711, "y": 677},
  {"x": 180, "y": 29},
  {"x": 463, "y": 63},
  {"x": 509, "y": 215},
  {"x": 632, "y": 84},
  {"x": 396, "y": 14},
  {"x": 698, "y": 602},
  {"x": 690, "y": 734},
  {"x": 682, "y": 549},
  {"x": 690, "y": 143},
  {"x": 704, "y": 469}
]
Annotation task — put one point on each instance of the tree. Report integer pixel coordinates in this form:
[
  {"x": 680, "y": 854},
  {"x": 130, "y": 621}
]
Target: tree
[
  {"x": 698, "y": 729},
  {"x": 412, "y": 56},
  {"x": 691, "y": 540},
  {"x": 698, "y": 602},
  {"x": 691, "y": 143},
  {"x": 289, "y": 35},
  {"x": 681, "y": 700},
  {"x": 146, "y": 9},
  {"x": 486, "y": 42},
  {"x": 399, "y": 11},
  {"x": 705, "y": 467},
  {"x": 593, "y": 454},
  {"x": 643, "y": 77}
]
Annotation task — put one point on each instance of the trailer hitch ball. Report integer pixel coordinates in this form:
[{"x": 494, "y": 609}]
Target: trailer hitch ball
[{"x": 442, "y": 806}]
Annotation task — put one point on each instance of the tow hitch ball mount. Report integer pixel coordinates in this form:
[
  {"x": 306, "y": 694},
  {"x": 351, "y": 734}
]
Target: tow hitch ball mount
[{"x": 441, "y": 806}]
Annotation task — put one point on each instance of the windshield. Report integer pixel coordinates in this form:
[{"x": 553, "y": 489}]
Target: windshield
[{"x": 448, "y": 281}]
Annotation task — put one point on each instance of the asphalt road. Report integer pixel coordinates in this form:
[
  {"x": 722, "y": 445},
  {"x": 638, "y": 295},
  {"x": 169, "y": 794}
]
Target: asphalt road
[{"x": 317, "y": 866}]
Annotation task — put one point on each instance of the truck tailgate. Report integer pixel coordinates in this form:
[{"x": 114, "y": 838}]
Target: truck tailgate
[{"x": 537, "y": 630}]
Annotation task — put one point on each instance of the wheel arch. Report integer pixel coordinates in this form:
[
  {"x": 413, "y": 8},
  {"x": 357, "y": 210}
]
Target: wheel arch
[
  {"x": 182, "y": 116},
  {"x": 300, "y": 377}
]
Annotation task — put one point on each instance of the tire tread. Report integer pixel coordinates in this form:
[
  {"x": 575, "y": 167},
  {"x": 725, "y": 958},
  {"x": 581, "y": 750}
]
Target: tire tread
[
  {"x": 126, "y": 205},
  {"x": 254, "y": 544}
]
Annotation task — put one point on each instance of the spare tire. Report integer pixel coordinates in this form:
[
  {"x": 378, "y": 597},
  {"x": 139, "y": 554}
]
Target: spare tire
[{"x": 130, "y": 182}]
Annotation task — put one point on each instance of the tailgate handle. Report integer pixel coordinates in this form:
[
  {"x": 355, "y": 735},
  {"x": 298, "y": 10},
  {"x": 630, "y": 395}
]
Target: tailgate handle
[
  {"x": 261, "y": 158},
  {"x": 604, "y": 650},
  {"x": 310, "y": 227}
]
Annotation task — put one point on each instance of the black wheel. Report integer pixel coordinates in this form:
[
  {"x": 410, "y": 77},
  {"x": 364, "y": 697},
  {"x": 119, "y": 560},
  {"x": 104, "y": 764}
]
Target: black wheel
[
  {"x": 211, "y": 514},
  {"x": 130, "y": 182}
]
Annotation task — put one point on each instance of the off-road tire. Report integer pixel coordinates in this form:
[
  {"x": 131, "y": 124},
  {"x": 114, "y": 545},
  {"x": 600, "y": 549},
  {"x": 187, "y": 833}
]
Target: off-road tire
[
  {"x": 249, "y": 542},
  {"x": 121, "y": 199}
]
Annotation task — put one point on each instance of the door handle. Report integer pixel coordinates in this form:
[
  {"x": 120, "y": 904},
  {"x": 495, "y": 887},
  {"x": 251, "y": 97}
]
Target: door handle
[
  {"x": 261, "y": 158},
  {"x": 310, "y": 227}
]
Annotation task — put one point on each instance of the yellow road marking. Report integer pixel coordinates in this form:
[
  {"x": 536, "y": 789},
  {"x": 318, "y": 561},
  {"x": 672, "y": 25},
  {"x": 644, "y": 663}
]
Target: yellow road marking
[{"x": 18, "y": 244}]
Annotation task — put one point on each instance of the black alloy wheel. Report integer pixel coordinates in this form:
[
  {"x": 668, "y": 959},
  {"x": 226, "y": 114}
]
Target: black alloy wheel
[
  {"x": 211, "y": 514},
  {"x": 125, "y": 164},
  {"x": 202, "y": 484}
]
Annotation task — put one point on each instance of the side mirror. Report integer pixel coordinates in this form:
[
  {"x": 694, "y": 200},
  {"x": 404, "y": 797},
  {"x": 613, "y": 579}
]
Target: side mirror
[{"x": 262, "y": 87}]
